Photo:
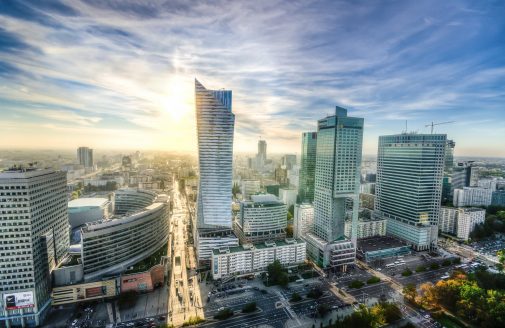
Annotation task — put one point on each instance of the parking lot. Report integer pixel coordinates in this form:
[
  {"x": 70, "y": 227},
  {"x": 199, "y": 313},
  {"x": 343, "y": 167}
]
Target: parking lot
[
  {"x": 274, "y": 307},
  {"x": 488, "y": 247}
]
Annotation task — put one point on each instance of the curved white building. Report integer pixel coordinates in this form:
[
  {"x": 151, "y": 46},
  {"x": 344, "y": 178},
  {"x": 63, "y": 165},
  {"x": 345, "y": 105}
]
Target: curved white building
[
  {"x": 111, "y": 246},
  {"x": 131, "y": 199}
]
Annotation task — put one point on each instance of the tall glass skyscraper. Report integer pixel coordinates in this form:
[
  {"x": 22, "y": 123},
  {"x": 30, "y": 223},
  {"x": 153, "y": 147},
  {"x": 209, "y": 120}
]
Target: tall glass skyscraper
[
  {"x": 215, "y": 123},
  {"x": 410, "y": 168},
  {"x": 337, "y": 178},
  {"x": 308, "y": 168}
]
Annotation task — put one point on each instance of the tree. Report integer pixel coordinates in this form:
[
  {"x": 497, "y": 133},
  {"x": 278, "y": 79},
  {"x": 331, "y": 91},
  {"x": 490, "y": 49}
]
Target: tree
[
  {"x": 276, "y": 274},
  {"x": 289, "y": 231},
  {"x": 235, "y": 189},
  {"x": 373, "y": 280},
  {"x": 322, "y": 309},
  {"x": 407, "y": 272},
  {"x": 315, "y": 293},
  {"x": 421, "y": 268},
  {"x": 427, "y": 296},
  {"x": 434, "y": 266},
  {"x": 356, "y": 284},
  {"x": 249, "y": 307},
  {"x": 224, "y": 314},
  {"x": 295, "y": 297},
  {"x": 410, "y": 293}
]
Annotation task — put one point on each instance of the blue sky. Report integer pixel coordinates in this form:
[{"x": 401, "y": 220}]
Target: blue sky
[{"x": 119, "y": 74}]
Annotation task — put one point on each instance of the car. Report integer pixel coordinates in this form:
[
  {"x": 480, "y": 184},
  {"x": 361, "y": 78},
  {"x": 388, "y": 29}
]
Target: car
[
  {"x": 426, "y": 316},
  {"x": 221, "y": 308}
]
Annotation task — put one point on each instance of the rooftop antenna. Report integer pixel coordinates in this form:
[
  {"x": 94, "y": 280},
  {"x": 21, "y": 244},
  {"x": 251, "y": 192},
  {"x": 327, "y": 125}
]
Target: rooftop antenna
[{"x": 432, "y": 124}]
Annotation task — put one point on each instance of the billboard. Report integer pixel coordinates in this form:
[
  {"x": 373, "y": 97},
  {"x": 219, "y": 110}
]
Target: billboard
[{"x": 18, "y": 300}]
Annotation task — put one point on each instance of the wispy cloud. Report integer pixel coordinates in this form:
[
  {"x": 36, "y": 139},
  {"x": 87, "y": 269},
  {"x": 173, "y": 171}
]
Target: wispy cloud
[{"x": 129, "y": 65}]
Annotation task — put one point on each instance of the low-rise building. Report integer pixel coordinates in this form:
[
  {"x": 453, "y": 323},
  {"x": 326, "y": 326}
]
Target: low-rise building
[
  {"x": 111, "y": 246},
  {"x": 367, "y": 227},
  {"x": 85, "y": 210},
  {"x": 261, "y": 219},
  {"x": 90, "y": 291},
  {"x": 254, "y": 258},
  {"x": 472, "y": 196},
  {"x": 378, "y": 248}
]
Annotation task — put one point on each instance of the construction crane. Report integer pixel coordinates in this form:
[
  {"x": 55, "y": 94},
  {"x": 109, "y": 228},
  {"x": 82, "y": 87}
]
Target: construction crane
[{"x": 435, "y": 124}]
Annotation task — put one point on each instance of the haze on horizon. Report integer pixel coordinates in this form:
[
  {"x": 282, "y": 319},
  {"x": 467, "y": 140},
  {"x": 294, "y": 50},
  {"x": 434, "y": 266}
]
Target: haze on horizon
[{"x": 120, "y": 74}]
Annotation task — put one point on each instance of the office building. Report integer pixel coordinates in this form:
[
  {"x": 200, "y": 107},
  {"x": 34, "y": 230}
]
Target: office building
[
  {"x": 498, "y": 198},
  {"x": 448, "y": 169},
  {"x": 254, "y": 258},
  {"x": 303, "y": 219},
  {"x": 111, "y": 246},
  {"x": 85, "y": 156},
  {"x": 261, "y": 219},
  {"x": 307, "y": 167},
  {"x": 261, "y": 156},
  {"x": 337, "y": 178},
  {"x": 464, "y": 174},
  {"x": 249, "y": 188},
  {"x": 215, "y": 127},
  {"x": 410, "y": 169},
  {"x": 472, "y": 196},
  {"x": 132, "y": 199},
  {"x": 34, "y": 238},
  {"x": 84, "y": 210}
]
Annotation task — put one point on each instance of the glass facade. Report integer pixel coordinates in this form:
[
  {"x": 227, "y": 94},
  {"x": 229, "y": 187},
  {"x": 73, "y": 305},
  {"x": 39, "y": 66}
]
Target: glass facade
[
  {"x": 308, "y": 168},
  {"x": 215, "y": 123},
  {"x": 410, "y": 169},
  {"x": 337, "y": 173}
]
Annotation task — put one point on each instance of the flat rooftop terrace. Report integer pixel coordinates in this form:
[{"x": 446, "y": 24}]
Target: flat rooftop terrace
[{"x": 379, "y": 243}]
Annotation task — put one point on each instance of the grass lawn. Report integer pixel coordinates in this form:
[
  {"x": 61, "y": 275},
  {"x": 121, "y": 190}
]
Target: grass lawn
[{"x": 448, "y": 322}]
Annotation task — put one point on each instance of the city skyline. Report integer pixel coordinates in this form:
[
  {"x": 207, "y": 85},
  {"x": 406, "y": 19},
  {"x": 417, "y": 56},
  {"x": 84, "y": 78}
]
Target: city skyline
[{"x": 419, "y": 62}]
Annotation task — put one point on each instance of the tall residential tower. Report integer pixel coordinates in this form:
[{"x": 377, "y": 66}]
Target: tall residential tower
[
  {"x": 85, "y": 156},
  {"x": 410, "y": 169},
  {"x": 215, "y": 123}
]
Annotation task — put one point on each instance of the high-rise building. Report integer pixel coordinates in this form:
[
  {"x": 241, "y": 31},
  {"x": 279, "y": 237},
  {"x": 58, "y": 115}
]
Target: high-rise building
[
  {"x": 448, "y": 168},
  {"x": 261, "y": 156},
  {"x": 308, "y": 167},
  {"x": 261, "y": 219},
  {"x": 337, "y": 178},
  {"x": 85, "y": 156},
  {"x": 464, "y": 174},
  {"x": 34, "y": 239},
  {"x": 289, "y": 161},
  {"x": 410, "y": 169},
  {"x": 215, "y": 124}
]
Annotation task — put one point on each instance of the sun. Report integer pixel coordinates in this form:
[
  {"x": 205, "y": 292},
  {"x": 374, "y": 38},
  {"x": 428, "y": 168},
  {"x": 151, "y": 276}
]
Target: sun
[{"x": 179, "y": 98}]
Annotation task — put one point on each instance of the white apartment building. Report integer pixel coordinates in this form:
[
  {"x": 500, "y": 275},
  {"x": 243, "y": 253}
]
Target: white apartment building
[
  {"x": 467, "y": 219},
  {"x": 34, "y": 238},
  {"x": 367, "y": 228},
  {"x": 303, "y": 219},
  {"x": 460, "y": 221},
  {"x": 448, "y": 219},
  {"x": 254, "y": 258},
  {"x": 472, "y": 196}
]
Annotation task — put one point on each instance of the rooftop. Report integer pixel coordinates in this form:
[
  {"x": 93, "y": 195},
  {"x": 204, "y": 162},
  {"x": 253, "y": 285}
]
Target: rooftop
[
  {"x": 87, "y": 202},
  {"x": 379, "y": 243},
  {"x": 249, "y": 247}
]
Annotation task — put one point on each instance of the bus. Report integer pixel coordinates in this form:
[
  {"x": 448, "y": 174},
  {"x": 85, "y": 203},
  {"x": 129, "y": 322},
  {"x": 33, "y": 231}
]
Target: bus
[{"x": 390, "y": 265}]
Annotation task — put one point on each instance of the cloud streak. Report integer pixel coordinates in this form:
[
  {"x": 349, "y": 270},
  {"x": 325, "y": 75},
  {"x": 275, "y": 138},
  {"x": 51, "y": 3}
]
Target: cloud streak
[{"x": 129, "y": 65}]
